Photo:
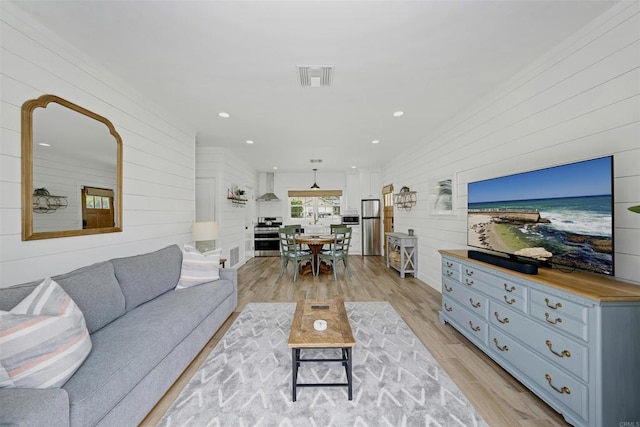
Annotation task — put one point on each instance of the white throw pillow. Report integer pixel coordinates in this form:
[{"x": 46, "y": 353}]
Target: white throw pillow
[
  {"x": 44, "y": 339},
  {"x": 198, "y": 268}
]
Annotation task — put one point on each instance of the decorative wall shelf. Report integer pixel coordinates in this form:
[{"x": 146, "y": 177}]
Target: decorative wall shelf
[
  {"x": 237, "y": 198},
  {"x": 43, "y": 202},
  {"x": 405, "y": 199}
]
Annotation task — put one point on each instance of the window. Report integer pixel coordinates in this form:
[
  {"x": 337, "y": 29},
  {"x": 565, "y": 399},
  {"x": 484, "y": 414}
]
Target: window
[
  {"x": 97, "y": 202},
  {"x": 327, "y": 207}
]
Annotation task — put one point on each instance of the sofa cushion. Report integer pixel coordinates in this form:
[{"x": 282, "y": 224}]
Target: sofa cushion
[
  {"x": 126, "y": 350},
  {"x": 34, "y": 407},
  {"x": 144, "y": 277},
  {"x": 44, "y": 339},
  {"x": 96, "y": 291},
  {"x": 93, "y": 288},
  {"x": 10, "y": 297},
  {"x": 198, "y": 267}
]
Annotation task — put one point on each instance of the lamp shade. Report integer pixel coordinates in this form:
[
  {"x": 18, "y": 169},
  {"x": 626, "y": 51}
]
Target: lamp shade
[{"x": 206, "y": 230}]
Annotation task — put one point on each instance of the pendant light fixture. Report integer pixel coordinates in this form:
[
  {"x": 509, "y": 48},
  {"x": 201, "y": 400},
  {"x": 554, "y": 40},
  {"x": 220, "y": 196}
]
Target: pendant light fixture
[{"x": 315, "y": 186}]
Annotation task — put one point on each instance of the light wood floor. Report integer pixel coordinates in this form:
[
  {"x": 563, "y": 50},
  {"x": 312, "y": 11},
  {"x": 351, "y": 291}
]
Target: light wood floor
[{"x": 497, "y": 396}]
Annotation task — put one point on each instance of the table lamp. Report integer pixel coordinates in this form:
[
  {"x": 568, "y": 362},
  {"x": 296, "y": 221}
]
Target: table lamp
[{"x": 204, "y": 234}]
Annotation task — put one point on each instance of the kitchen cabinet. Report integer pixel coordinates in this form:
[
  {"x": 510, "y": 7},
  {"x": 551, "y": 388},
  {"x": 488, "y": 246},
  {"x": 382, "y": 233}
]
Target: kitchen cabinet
[
  {"x": 572, "y": 339},
  {"x": 402, "y": 253},
  {"x": 355, "y": 247},
  {"x": 353, "y": 192},
  {"x": 370, "y": 185}
]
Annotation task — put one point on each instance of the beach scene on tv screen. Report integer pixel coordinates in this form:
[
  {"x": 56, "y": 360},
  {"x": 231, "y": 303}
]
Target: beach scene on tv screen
[{"x": 562, "y": 215}]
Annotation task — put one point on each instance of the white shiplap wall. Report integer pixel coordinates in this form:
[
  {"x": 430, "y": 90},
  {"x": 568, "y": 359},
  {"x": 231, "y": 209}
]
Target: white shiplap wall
[
  {"x": 235, "y": 222},
  {"x": 159, "y": 163},
  {"x": 579, "y": 101}
]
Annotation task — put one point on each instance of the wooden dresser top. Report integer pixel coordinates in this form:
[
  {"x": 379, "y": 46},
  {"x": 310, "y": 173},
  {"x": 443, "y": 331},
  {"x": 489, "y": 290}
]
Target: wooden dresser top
[{"x": 587, "y": 285}]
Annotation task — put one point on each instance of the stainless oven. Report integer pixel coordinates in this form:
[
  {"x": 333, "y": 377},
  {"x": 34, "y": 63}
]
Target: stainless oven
[{"x": 266, "y": 241}]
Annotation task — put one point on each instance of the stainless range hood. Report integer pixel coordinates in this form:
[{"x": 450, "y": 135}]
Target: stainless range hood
[{"x": 269, "y": 196}]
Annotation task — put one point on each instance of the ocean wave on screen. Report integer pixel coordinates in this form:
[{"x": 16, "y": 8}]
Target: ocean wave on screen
[{"x": 580, "y": 222}]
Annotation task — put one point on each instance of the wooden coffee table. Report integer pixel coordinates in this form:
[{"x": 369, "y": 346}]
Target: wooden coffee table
[{"x": 337, "y": 335}]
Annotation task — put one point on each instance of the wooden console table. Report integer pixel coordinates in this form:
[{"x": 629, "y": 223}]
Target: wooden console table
[{"x": 402, "y": 253}]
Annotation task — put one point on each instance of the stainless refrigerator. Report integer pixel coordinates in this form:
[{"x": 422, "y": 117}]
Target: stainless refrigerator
[{"x": 371, "y": 227}]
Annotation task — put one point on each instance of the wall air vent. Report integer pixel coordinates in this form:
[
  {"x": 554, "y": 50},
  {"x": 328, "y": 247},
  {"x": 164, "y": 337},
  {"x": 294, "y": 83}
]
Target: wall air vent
[{"x": 315, "y": 75}]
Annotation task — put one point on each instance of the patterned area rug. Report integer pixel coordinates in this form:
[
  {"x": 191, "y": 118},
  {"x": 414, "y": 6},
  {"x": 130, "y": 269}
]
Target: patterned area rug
[{"x": 246, "y": 381}]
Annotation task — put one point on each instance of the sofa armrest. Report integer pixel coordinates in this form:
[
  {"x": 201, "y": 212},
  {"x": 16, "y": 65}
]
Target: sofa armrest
[
  {"x": 34, "y": 407},
  {"x": 230, "y": 274}
]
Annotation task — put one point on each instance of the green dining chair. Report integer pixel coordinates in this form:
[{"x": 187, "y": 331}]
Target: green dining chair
[
  {"x": 339, "y": 251},
  {"x": 290, "y": 251}
]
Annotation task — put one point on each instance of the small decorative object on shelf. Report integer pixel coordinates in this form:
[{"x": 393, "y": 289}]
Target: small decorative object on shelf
[
  {"x": 405, "y": 199},
  {"x": 237, "y": 197},
  {"x": 43, "y": 202}
]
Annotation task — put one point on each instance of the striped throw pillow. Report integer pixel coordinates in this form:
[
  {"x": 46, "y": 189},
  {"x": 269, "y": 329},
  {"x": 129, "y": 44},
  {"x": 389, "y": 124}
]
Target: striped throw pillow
[
  {"x": 44, "y": 339},
  {"x": 198, "y": 268}
]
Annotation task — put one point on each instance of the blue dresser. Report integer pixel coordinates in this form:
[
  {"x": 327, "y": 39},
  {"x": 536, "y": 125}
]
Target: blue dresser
[{"x": 571, "y": 338}]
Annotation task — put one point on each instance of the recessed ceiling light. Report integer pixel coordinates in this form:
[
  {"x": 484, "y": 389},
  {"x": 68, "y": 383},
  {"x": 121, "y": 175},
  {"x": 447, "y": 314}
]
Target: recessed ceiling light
[
  {"x": 224, "y": 115},
  {"x": 249, "y": 141},
  {"x": 398, "y": 114},
  {"x": 275, "y": 167},
  {"x": 353, "y": 167},
  {"x": 44, "y": 144},
  {"x": 375, "y": 141}
]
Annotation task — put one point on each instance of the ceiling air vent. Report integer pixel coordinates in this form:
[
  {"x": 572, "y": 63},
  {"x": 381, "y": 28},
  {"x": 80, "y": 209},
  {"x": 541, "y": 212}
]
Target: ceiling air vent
[{"x": 315, "y": 75}]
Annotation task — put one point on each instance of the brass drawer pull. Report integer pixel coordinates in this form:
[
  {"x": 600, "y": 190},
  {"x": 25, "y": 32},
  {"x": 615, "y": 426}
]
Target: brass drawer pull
[
  {"x": 552, "y": 307},
  {"x": 562, "y": 390},
  {"x": 511, "y": 289},
  {"x": 509, "y": 301},
  {"x": 506, "y": 319},
  {"x": 563, "y": 353},
  {"x": 447, "y": 288},
  {"x": 553, "y": 322},
  {"x": 449, "y": 264},
  {"x": 449, "y": 273},
  {"x": 446, "y": 307},
  {"x": 469, "y": 272},
  {"x": 503, "y": 348},
  {"x": 468, "y": 282},
  {"x": 475, "y": 328},
  {"x": 475, "y": 305}
]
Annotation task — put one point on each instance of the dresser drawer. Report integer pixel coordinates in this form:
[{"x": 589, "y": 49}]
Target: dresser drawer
[
  {"x": 564, "y": 352},
  {"x": 560, "y": 314},
  {"x": 471, "y": 323},
  {"x": 470, "y": 272},
  {"x": 475, "y": 302},
  {"x": 559, "y": 305},
  {"x": 557, "y": 385},
  {"x": 451, "y": 269},
  {"x": 517, "y": 302}
]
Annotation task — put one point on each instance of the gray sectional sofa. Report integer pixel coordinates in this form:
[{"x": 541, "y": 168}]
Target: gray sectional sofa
[{"x": 143, "y": 333}]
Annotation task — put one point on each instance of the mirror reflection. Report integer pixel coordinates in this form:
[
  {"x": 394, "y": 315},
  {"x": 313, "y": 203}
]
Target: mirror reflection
[{"x": 71, "y": 171}]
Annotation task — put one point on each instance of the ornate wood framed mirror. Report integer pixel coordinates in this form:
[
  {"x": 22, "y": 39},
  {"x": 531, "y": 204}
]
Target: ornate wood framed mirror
[{"x": 71, "y": 171}]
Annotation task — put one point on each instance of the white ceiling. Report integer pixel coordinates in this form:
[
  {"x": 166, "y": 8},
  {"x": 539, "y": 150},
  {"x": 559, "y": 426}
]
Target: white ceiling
[{"x": 429, "y": 59}]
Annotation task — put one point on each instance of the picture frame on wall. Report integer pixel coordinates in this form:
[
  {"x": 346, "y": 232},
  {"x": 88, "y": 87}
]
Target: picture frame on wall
[{"x": 442, "y": 195}]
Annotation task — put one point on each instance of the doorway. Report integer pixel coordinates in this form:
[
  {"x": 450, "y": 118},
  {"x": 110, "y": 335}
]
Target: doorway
[
  {"x": 97, "y": 207},
  {"x": 387, "y": 208}
]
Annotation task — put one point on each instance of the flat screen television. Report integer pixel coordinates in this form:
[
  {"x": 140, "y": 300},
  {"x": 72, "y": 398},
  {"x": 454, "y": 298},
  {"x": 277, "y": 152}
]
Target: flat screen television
[{"x": 560, "y": 216}]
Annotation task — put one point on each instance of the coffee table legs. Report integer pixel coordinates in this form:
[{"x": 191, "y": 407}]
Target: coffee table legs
[
  {"x": 349, "y": 369},
  {"x": 346, "y": 360},
  {"x": 295, "y": 356}
]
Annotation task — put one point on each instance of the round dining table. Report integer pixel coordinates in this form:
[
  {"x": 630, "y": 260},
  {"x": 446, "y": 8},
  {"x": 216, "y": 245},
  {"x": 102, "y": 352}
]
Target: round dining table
[{"x": 315, "y": 243}]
